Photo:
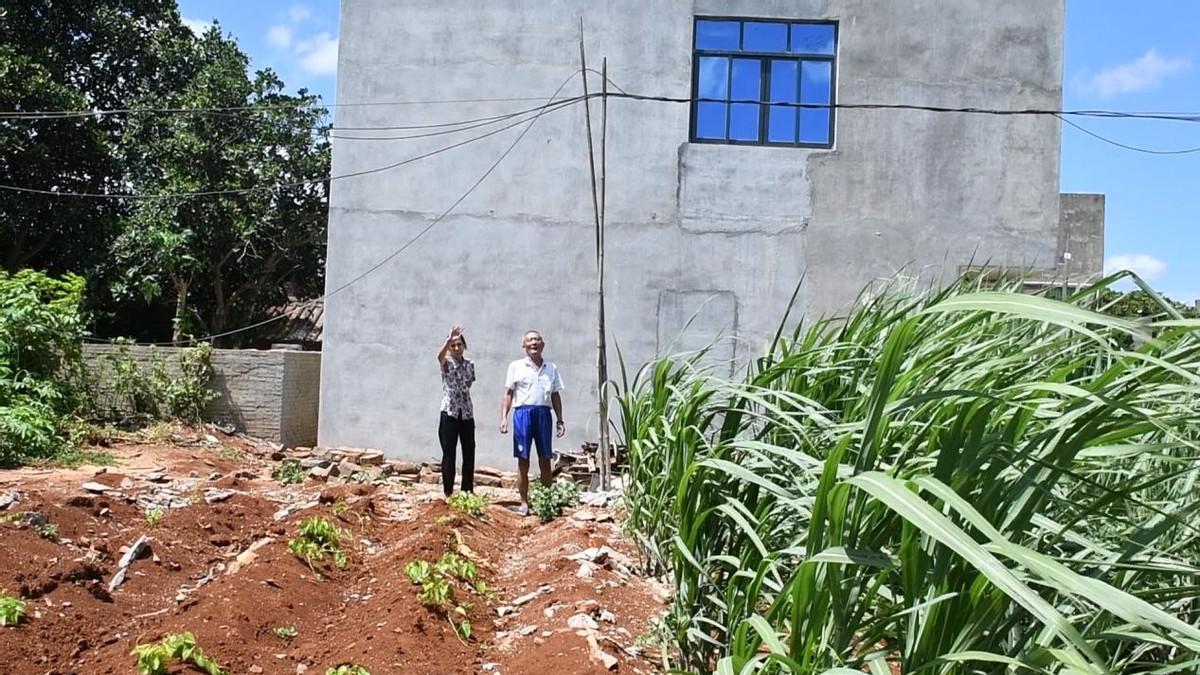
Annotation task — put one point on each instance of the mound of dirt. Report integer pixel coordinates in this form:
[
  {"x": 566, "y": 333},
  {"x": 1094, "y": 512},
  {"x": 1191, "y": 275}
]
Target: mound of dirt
[{"x": 223, "y": 571}]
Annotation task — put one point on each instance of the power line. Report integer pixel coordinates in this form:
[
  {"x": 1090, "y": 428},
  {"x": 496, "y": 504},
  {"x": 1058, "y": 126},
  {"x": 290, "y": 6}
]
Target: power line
[
  {"x": 455, "y": 127},
  {"x": 621, "y": 93},
  {"x": 411, "y": 241},
  {"x": 312, "y": 181},
  {"x": 58, "y": 114},
  {"x": 1118, "y": 144}
]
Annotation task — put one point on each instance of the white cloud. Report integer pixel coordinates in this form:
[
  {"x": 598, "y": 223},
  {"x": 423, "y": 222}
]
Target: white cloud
[
  {"x": 299, "y": 13},
  {"x": 197, "y": 26},
  {"x": 1147, "y": 72},
  {"x": 318, "y": 55},
  {"x": 1144, "y": 265},
  {"x": 279, "y": 36}
]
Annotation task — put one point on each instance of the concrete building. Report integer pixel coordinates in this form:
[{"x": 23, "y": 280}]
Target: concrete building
[{"x": 715, "y": 210}]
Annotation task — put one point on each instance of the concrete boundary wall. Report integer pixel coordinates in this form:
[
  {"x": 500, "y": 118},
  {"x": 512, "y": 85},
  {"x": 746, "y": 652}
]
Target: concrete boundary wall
[{"x": 271, "y": 394}]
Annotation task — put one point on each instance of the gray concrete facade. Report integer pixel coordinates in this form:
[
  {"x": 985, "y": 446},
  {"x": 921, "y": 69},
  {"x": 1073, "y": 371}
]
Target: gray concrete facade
[{"x": 711, "y": 237}]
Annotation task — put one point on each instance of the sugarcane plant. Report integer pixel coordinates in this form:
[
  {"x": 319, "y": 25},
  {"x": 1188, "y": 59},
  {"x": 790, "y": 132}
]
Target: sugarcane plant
[{"x": 966, "y": 481}]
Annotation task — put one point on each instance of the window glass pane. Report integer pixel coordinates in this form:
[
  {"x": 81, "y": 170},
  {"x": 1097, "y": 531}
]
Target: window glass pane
[
  {"x": 710, "y": 119},
  {"x": 781, "y": 124},
  {"x": 747, "y": 80},
  {"x": 814, "y": 126},
  {"x": 765, "y": 37},
  {"x": 784, "y": 86},
  {"x": 815, "y": 81},
  {"x": 718, "y": 35},
  {"x": 714, "y": 77},
  {"x": 812, "y": 38},
  {"x": 743, "y": 121},
  {"x": 815, "y": 87}
]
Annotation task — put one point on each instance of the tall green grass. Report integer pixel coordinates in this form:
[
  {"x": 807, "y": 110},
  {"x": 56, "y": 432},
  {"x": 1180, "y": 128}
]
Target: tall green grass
[{"x": 971, "y": 481}]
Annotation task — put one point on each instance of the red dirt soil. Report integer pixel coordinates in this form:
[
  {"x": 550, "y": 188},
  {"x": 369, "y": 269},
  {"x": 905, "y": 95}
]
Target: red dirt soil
[{"x": 367, "y": 613}]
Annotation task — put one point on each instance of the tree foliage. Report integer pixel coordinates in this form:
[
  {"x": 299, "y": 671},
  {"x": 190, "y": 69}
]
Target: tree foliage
[
  {"x": 72, "y": 55},
  {"x": 205, "y": 261},
  {"x": 222, "y": 259},
  {"x": 41, "y": 367}
]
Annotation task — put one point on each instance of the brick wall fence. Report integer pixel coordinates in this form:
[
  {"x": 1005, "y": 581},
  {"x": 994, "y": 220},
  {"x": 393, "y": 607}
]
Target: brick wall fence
[{"x": 270, "y": 394}]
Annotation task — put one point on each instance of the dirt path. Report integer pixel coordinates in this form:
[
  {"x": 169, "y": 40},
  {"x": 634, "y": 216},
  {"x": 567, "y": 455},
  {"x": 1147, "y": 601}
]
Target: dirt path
[{"x": 223, "y": 571}]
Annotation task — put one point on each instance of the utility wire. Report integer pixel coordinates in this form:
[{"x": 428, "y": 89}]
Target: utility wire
[
  {"x": 311, "y": 181},
  {"x": 454, "y": 128},
  {"x": 411, "y": 241},
  {"x": 621, "y": 93},
  {"x": 58, "y": 114},
  {"x": 1148, "y": 151}
]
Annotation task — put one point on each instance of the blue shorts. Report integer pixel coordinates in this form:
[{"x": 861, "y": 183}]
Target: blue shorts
[{"x": 532, "y": 424}]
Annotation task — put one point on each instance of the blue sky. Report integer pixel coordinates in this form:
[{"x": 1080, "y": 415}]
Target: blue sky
[{"x": 1117, "y": 58}]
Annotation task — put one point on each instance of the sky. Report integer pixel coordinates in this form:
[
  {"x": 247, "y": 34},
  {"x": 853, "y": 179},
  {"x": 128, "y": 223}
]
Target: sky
[{"x": 1117, "y": 58}]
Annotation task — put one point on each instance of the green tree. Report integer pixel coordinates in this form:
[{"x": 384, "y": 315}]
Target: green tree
[
  {"x": 41, "y": 368},
  {"x": 72, "y": 55},
  {"x": 221, "y": 259}
]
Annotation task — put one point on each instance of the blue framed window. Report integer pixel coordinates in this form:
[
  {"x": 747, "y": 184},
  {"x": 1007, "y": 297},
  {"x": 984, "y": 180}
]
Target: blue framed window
[{"x": 763, "y": 82}]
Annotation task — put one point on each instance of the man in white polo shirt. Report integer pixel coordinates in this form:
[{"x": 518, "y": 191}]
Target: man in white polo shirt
[{"x": 533, "y": 384}]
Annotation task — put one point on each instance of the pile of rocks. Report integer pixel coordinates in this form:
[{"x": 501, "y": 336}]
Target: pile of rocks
[
  {"x": 583, "y": 465},
  {"x": 364, "y": 465}
]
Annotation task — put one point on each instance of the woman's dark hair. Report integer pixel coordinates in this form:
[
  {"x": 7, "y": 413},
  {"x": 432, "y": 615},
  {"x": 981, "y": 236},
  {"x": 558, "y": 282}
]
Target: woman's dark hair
[{"x": 463, "y": 338}]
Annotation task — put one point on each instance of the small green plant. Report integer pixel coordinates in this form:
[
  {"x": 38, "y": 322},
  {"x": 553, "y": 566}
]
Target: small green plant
[
  {"x": 153, "y": 658},
  {"x": 289, "y": 471},
  {"x": 437, "y": 588},
  {"x": 158, "y": 392},
  {"x": 47, "y": 531},
  {"x": 469, "y": 503},
  {"x": 154, "y": 517},
  {"x": 340, "y": 507},
  {"x": 285, "y": 632},
  {"x": 348, "y": 669},
  {"x": 548, "y": 502},
  {"x": 418, "y": 571},
  {"x": 11, "y": 610},
  {"x": 318, "y": 538},
  {"x": 447, "y": 519}
]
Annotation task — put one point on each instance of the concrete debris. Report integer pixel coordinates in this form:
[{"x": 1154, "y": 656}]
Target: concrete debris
[
  {"x": 584, "y": 515},
  {"x": 527, "y": 598},
  {"x": 598, "y": 655},
  {"x": 8, "y": 499},
  {"x": 586, "y": 569},
  {"x": 92, "y": 486},
  {"x": 126, "y": 560},
  {"x": 248, "y": 556},
  {"x": 35, "y": 519},
  {"x": 527, "y": 630},
  {"x": 582, "y": 622},
  {"x": 505, "y": 610},
  {"x": 605, "y": 557},
  {"x": 597, "y": 499},
  {"x": 213, "y": 496},
  {"x": 607, "y": 616}
]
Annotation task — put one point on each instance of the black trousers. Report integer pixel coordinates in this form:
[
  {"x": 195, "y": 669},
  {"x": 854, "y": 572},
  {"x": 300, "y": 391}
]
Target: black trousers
[{"x": 450, "y": 430}]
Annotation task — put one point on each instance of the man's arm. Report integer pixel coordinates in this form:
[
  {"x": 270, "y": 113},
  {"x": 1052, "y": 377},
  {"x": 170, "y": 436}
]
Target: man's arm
[
  {"x": 505, "y": 406},
  {"x": 556, "y": 401}
]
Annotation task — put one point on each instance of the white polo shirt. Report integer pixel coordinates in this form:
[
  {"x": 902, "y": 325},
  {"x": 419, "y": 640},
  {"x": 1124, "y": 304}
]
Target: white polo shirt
[{"x": 531, "y": 385}]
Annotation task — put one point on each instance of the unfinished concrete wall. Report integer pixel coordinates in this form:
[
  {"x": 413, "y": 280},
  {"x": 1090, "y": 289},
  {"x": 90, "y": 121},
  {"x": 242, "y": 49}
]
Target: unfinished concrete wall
[
  {"x": 300, "y": 398},
  {"x": 1081, "y": 237},
  {"x": 728, "y": 230},
  {"x": 268, "y": 394}
]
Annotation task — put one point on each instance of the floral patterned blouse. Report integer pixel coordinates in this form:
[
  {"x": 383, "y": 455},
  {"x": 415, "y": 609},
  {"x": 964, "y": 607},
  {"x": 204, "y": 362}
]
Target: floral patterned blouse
[{"x": 457, "y": 377}]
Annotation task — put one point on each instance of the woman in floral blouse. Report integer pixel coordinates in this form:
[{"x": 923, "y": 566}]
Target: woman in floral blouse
[{"x": 458, "y": 416}]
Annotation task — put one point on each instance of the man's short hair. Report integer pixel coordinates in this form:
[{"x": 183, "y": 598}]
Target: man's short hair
[{"x": 535, "y": 332}]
